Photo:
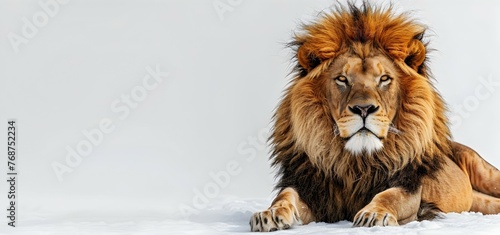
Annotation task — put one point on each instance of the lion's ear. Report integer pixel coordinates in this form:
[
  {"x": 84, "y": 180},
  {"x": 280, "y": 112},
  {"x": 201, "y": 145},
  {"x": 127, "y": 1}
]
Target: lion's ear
[
  {"x": 416, "y": 54},
  {"x": 310, "y": 58},
  {"x": 307, "y": 58}
]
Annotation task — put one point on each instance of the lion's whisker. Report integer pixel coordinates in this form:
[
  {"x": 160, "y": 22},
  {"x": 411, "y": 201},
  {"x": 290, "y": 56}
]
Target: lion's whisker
[
  {"x": 394, "y": 130},
  {"x": 336, "y": 131}
]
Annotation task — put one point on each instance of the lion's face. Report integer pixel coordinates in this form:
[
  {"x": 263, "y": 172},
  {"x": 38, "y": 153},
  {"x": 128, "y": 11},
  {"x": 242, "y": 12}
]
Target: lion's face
[{"x": 363, "y": 98}]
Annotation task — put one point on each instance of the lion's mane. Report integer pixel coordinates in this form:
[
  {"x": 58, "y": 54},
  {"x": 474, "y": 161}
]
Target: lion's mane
[{"x": 308, "y": 153}]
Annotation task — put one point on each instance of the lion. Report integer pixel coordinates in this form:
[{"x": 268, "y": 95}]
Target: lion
[{"x": 361, "y": 133}]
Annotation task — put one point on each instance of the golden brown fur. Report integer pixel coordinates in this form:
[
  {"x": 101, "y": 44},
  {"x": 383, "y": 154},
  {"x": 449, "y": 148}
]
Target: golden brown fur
[
  {"x": 355, "y": 60},
  {"x": 424, "y": 123}
]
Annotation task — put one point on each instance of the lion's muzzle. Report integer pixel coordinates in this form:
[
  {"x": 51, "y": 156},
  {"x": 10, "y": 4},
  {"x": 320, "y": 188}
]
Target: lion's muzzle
[
  {"x": 364, "y": 110},
  {"x": 364, "y": 129}
]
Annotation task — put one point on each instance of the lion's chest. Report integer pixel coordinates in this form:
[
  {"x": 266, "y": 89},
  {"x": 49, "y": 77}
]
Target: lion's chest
[{"x": 334, "y": 199}]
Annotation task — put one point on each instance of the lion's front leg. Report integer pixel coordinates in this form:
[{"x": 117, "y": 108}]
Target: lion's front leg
[
  {"x": 391, "y": 207},
  {"x": 286, "y": 210}
]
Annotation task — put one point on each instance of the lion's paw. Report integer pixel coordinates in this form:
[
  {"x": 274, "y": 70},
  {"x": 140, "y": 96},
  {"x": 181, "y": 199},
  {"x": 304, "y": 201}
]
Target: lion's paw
[
  {"x": 370, "y": 218},
  {"x": 276, "y": 218}
]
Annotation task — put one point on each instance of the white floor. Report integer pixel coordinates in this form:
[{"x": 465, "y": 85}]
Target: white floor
[{"x": 231, "y": 217}]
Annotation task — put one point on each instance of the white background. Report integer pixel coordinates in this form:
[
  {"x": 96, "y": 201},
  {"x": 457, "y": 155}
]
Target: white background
[{"x": 226, "y": 75}]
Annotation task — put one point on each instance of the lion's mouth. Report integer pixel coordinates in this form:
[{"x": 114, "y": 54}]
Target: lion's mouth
[
  {"x": 364, "y": 141},
  {"x": 364, "y": 131}
]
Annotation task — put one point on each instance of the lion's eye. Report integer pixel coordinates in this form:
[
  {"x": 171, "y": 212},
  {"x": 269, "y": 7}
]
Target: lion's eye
[
  {"x": 341, "y": 80},
  {"x": 385, "y": 80}
]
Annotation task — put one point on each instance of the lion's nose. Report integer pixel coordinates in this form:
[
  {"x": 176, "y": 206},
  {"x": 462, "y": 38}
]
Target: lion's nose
[{"x": 364, "y": 110}]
